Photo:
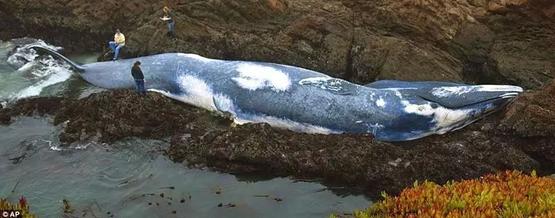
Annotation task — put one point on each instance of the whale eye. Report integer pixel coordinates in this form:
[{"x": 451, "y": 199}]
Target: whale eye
[{"x": 434, "y": 105}]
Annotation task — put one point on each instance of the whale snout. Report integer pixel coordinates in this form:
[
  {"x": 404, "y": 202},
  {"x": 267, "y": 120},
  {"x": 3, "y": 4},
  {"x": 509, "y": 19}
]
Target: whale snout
[
  {"x": 495, "y": 97},
  {"x": 511, "y": 92},
  {"x": 500, "y": 95}
]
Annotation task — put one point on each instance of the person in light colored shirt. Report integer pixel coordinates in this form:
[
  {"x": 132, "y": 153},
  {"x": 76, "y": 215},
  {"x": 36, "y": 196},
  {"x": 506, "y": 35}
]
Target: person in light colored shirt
[
  {"x": 117, "y": 44},
  {"x": 168, "y": 17}
]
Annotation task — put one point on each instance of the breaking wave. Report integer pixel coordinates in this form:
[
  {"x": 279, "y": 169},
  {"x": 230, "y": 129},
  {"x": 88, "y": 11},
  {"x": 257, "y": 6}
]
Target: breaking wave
[{"x": 34, "y": 72}]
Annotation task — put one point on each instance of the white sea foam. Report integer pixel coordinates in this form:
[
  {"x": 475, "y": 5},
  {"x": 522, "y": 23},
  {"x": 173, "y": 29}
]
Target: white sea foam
[
  {"x": 24, "y": 55},
  {"x": 27, "y": 66},
  {"x": 253, "y": 77},
  {"x": 51, "y": 72},
  {"x": 40, "y": 73},
  {"x": 55, "y": 148}
]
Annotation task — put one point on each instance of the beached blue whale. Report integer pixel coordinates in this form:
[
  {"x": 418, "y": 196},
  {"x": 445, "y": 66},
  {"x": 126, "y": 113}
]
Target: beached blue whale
[{"x": 304, "y": 100}]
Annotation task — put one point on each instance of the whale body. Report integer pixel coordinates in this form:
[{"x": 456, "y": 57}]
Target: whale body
[{"x": 304, "y": 100}]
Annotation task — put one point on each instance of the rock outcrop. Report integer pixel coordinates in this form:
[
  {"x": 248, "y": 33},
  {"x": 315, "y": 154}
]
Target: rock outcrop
[
  {"x": 484, "y": 41},
  {"x": 31, "y": 107}
]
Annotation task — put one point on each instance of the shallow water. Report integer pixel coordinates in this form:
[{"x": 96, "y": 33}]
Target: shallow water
[
  {"x": 42, "y": 76},
  {"x": 124, "y": 178},
  {"x": 127, "y": 179}
]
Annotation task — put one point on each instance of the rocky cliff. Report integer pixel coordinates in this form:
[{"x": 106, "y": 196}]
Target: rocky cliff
[{"x": 482, "y": 41}]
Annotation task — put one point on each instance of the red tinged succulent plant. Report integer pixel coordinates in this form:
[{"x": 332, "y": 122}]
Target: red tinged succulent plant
[{"x": 507, "y": 194}]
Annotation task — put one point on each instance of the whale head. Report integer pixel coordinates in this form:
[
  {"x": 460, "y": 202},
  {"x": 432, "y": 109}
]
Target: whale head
[
  {"x": 450, "y": 108},
  {"x": 427, "y": 108}
]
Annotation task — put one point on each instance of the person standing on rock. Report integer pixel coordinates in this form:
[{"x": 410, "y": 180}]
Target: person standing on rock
[
  {"x": 119, "y": 41},
  {"x": 168, "y": 17},
  {"x": 137, "y": 74}
]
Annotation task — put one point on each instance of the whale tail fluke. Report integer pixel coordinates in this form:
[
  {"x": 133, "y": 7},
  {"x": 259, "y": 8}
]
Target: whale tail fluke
[{"x": 73, "y": 65}]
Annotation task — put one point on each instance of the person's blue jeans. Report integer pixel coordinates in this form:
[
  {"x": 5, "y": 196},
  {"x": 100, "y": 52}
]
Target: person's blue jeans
[
  {"x": 115, "y": 48},
  {"x": 171, "y": 28},
  {"x": 140, "y": 86}
]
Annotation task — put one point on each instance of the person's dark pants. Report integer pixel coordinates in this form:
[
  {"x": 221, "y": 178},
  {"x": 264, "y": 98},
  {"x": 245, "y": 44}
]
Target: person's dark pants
[
  {"x": 171, "y": 29},
  {"x": 140, "y": 86}
]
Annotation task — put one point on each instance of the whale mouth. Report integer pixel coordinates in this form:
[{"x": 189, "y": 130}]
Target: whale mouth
[
  {"x": 464, "y": 96},
  {"x": 510, "y": 95},
  {"x": 483, "y": 109}
]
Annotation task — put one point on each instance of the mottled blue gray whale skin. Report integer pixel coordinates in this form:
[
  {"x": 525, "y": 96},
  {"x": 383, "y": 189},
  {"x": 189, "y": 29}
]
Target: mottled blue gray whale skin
[{"x": 304, "y": 100}]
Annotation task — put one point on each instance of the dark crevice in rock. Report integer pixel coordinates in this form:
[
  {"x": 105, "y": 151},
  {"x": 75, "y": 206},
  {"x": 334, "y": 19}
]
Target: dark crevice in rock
[
  {"x": 349, "y": 71},
  {"x": 483, "y": 73}
]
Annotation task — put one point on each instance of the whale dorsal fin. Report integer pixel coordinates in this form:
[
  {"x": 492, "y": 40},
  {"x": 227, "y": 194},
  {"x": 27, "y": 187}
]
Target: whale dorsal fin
[{"x": 330, "y": 84}]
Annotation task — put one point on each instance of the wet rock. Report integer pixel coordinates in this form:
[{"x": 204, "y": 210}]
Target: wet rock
[
  {"x": 5, "y": 117},
  {"x": 351, "y": 159},
  {"x": 523, "y": 53},
  {"x": 532, "y": 119},
  {"x": 67, "y": 208},
  {"x": 39, "y": 106},
  {"x": 404, "y": 60},
  {"x": 475, "y": 41},
  {"x": 532, "y": 115},
  {"x": 111, "y": 116}
]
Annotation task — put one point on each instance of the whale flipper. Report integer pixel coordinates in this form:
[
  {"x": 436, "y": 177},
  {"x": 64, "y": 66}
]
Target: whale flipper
[
  {"x": 448, "y": 94},
  {"x": 74, "y": 65}
]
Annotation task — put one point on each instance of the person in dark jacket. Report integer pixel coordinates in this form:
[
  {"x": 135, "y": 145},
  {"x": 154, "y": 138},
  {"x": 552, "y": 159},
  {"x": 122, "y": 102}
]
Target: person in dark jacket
[
  {"x": 168, "y": 17},
  {"x": 137, "y": 74}
]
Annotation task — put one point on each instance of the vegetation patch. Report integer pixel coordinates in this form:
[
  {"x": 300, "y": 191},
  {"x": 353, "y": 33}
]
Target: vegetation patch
[
  {"x": 507, "y": 194},
  {"x": 21, "y": 209}
]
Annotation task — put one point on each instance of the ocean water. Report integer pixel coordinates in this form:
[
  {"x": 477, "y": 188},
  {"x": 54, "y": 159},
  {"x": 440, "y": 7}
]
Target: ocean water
[{"x": 131, "y": 178}]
